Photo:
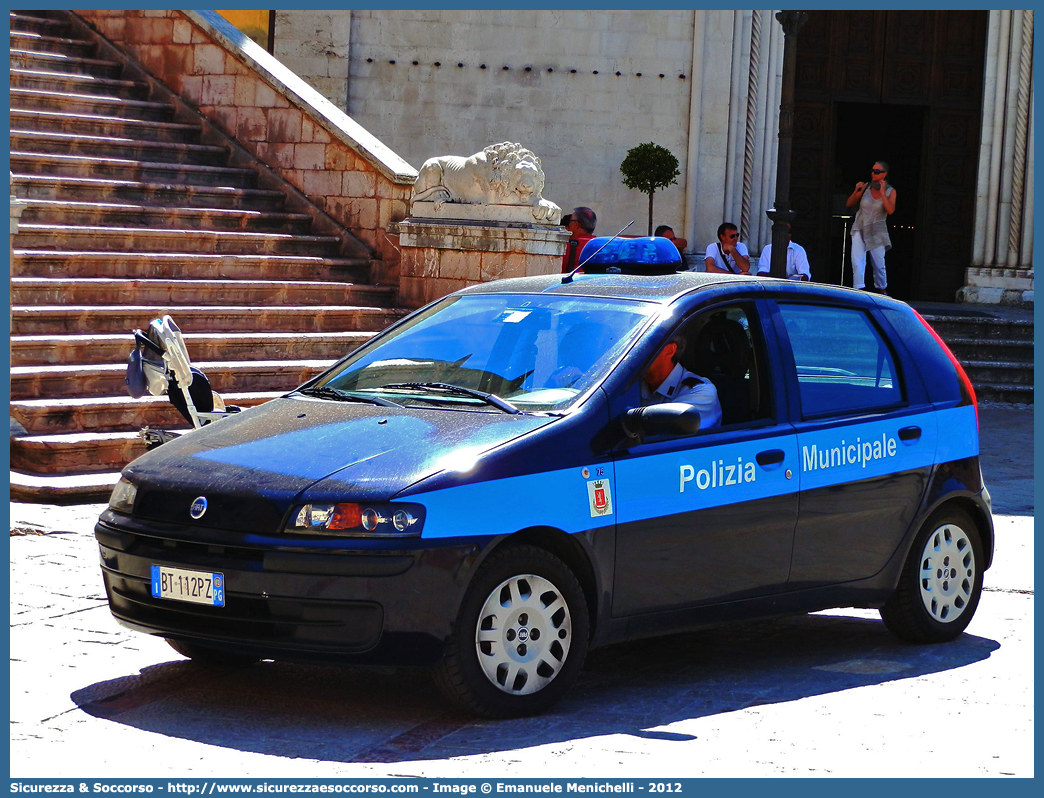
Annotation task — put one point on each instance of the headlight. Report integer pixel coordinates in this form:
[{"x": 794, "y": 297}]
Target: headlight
[
  {"x": 123, "y": 495},
  {"x": 357, "y": 520}
]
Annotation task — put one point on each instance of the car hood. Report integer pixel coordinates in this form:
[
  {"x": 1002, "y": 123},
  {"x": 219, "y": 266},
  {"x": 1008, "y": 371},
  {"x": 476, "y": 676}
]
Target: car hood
[{"x": 274, "y": 452}]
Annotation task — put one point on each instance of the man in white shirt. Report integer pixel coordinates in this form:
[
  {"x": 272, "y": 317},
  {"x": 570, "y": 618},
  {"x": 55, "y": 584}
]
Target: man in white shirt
[
  {"x": 668, "y": 381},
  {"x": 727, "y": 255},
  {"x": 797, "y": 261}
]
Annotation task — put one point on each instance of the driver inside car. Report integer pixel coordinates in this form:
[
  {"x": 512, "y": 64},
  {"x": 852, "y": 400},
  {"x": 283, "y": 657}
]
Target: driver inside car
[{"x": 667, "y": 380}]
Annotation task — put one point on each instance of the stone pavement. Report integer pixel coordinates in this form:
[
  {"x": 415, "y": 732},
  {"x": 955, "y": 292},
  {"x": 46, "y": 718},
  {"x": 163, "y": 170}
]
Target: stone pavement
[{"x": 826, "y": 694}]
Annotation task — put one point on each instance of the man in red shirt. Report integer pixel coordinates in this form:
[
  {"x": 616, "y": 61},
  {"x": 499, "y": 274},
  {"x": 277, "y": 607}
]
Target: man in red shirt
[{"x": 581, "y": 227}]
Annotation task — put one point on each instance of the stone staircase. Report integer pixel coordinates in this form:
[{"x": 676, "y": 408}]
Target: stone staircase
[
  {"x": 138, "y": 207},
  {"x": 993, "y": 343}
]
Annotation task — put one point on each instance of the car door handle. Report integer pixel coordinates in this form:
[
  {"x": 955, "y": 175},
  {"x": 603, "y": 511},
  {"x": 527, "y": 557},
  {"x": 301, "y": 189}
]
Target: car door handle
[
  {"x": 908, "y": 434},
  {"x": 770, "y": 457}
]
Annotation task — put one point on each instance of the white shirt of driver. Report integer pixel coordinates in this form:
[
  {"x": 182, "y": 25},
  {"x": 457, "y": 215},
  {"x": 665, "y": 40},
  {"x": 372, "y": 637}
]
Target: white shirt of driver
[
  {"x": 683, "y": 386},
  {"x": 797, "y": 261}
]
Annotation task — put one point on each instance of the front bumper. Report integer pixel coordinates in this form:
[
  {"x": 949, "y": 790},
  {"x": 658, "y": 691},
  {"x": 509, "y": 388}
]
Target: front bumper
[{"x": 290, "y": 598}]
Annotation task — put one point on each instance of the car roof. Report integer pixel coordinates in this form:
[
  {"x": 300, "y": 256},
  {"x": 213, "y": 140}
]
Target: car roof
[
  {"x": 656, "y": 288},
  {"x": 667, "y": 288}
]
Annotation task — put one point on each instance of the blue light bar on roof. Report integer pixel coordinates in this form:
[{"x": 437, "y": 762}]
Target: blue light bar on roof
[{"x": 652, "y": 255}]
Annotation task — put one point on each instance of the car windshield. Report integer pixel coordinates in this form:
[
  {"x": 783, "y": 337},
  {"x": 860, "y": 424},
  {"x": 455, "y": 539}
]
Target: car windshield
[{"x": 494, "y": 352}]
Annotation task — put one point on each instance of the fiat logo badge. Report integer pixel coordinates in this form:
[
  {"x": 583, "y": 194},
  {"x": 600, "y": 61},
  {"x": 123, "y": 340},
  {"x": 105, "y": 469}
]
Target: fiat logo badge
[{"x": 199, "y": 506}]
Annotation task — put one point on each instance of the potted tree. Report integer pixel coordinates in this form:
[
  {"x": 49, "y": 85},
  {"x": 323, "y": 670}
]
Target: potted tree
[{"x": 649, "y": 167}]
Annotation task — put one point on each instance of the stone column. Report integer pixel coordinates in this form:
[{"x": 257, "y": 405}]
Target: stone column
[
  {"x": 733, "y": 124},
  {"x": 1002, "y": 256},
  {"x": 439, "y": 256},
  {"x": 780, "y": 213}
]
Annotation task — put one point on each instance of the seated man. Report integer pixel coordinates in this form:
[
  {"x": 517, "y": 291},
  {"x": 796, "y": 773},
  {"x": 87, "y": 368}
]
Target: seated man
[
  {"x": 666, "y": 380},
  {"x": 666, "y": 231},
  {"x": 797, "y": 261},
  {"x": 727, "y": 255}
]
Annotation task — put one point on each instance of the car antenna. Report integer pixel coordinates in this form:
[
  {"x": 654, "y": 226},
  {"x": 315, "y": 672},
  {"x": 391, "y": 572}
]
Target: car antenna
[{"x": 569, "y": 277}]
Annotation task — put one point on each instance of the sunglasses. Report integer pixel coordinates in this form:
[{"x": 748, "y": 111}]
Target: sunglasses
[
  {"x": 878, "y": 171},
  {"x": 732, "y": 235}
]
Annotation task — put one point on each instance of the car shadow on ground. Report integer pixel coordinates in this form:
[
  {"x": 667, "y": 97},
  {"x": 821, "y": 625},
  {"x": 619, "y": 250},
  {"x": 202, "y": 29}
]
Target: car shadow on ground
[{"x": 396, "y": 715}]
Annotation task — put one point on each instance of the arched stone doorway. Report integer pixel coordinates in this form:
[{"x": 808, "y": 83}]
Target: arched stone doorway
[{"x": 905, "y": 87}]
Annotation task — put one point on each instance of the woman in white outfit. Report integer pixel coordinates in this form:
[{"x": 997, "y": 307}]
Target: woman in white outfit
[{"x": 876, "y": 201}]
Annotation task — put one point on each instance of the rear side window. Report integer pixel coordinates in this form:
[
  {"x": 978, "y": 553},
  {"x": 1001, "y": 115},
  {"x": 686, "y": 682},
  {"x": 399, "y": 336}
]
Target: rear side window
[
  {"x": 938, "y": 373},
  {"x": 843, "y": 364}
]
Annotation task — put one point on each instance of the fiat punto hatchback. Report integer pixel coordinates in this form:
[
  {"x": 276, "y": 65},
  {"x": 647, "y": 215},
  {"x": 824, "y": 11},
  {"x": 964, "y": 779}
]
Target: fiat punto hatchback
[{"x": 492, "y": 487}]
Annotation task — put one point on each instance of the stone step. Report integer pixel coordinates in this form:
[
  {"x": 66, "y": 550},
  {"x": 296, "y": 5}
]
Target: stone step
[
  {"x": 123, "y": 215},
  {"x": 99, "y": 125},
  {"x": 132, "y": 239},
  {"x": 80, "y": 189},
  {"x": 79, "y": 452},
  {"x": 981, "y": 328},
  {"x": 95, "y": 105},
  {"x": 44, "y": 43},
  {"x": 80, "y": 319},
  {"x": 182, "y": 265},
  {"x": 1007, "y": 394},
  {"x": 992, "y": 372},
  {"x": 35, "y": 350},
  {"x": 21, "y": 21},
  {"x": 112, "y": 413},
  {"x": 128, "y": 169},
  {"x": 35, "y": 291},
  {"x": 118, "y": 194},
  {"x": 62, "y": 488},
  {"x": 59, "y": 62},
  {"x": 53, "y": 80},
  {"x": 123, "y": 149},
  {"x": 41, "y": 382},
  {"x": 1013, "y": 351}
]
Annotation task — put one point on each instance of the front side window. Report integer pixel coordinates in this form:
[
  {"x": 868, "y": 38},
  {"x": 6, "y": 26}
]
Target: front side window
[
  {"x": 539, "y": 353},
  {"x": 724, "y": 346},
  {"x": 844, "y": 365}
]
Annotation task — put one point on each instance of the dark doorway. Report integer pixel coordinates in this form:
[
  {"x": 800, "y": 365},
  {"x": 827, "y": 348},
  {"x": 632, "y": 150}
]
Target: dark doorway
[
  {"x": 906, "y": 87},
  {"x": 865, "y": 133}
]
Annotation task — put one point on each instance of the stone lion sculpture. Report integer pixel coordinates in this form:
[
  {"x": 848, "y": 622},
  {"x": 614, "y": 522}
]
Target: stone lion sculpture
[{"x": 502, "y": 174}]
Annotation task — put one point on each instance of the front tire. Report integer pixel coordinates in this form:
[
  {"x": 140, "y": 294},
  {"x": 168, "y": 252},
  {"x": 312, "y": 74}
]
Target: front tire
[
  {"x": 521, "y": 636},
  {"x": 941, "y": 583}
]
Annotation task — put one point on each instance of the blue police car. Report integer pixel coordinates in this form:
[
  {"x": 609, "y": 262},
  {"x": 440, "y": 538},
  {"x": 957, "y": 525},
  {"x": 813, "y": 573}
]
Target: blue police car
[{"x": 496, "y": 484}]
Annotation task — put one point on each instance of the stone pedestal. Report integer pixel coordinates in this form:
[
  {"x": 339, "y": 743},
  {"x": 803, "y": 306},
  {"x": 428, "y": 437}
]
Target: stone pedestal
[{"x": 439, "y": 256}]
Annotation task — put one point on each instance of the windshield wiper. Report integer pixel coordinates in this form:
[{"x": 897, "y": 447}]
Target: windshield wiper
[
  {"x": 326, "y": 392},
  {"x": 488, "y": 398}
]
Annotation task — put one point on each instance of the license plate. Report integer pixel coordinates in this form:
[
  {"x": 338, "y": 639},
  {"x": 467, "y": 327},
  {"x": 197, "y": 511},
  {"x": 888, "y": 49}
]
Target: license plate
[{"x": 197, "y": 587}]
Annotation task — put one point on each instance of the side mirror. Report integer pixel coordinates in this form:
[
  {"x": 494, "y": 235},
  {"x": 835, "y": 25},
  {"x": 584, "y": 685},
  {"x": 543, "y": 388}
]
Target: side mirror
[{"x": 670, "y": 418}]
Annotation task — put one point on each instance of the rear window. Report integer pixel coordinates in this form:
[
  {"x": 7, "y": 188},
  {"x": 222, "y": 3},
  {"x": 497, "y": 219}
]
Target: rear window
[
  {"x": 940, "y": 377},
  {"x": 844, "y": 366}
]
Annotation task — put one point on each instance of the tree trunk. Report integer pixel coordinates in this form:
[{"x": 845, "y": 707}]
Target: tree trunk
[{"x": 650, "y": 211}]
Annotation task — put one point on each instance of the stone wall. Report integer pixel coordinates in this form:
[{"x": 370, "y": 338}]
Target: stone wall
[
  {"x": 715, "y": 107},
  {"x": 580, "y": 123},
  {"x": 281, "y": 120}
]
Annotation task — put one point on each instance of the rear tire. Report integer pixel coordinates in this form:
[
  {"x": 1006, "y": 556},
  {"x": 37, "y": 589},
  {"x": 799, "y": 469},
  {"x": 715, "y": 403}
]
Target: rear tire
[
  {"x": 941, "y": 582},
  {"x": 205, "y": 655},
  {"x": 521, "y": 636}
]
